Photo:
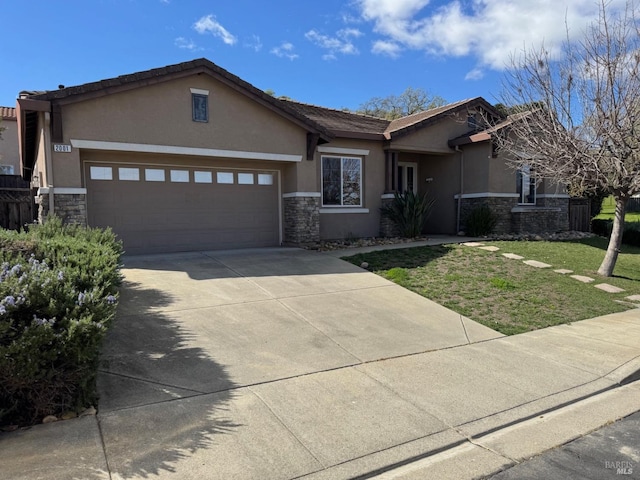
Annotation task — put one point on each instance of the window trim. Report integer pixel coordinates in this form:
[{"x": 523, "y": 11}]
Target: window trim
[
  {"x": 199, "y": 95},
  {"x": 361, "y": 183}
]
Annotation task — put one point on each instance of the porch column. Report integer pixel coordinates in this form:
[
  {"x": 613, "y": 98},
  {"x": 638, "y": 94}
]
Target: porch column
[{"x": 391, "y": 176}]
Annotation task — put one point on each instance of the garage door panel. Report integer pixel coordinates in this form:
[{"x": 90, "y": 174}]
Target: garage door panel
[{"x": 164, "y": 216}]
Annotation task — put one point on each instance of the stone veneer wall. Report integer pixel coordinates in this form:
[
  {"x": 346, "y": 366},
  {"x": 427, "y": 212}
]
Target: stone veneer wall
[
  {"x": 551, "y": 214},
  {"x": 500, "y": 206},
  {"x": 301, "y": 220},
  {"x": 387, "y": 227},
  {"x": 71, "y": 208}
]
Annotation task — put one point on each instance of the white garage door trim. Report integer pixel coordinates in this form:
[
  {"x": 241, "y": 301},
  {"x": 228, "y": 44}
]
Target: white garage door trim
[{"x": 176, "y": 150}]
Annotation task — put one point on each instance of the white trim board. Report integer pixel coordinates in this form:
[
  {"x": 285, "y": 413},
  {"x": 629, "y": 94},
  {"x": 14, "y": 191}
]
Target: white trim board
[
  {"x": 301, "y": 194},
  {"x": 487, "y": 195},
  {"x": 62, "y": 191},
  {"x": 176, "y": 150},
  {"x": 199, "y": 91},
  {"x": 553, "y": 195},
  {"x": 343, "y": 151}
]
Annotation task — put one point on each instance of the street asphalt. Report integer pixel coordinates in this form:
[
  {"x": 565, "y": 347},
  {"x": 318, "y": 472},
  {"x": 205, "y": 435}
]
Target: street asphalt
[{"x": 284, "y": 363}]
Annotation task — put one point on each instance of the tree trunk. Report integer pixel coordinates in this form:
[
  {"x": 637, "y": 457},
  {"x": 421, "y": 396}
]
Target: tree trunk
[{"x": 609, "y": 262}]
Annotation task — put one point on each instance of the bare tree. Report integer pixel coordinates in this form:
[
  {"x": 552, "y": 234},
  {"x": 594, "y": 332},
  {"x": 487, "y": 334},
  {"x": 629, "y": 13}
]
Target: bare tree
[
  {"x": 412, "y": 100},
  {"x": 585, "y": 131}
]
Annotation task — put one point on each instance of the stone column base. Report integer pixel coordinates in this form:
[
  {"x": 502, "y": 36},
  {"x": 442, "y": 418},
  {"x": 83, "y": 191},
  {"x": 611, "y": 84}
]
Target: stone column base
[
  {"x": 301, "y": 219},
  {"x": 70, "y": 208},
  {"x": 387, "y": 227}
]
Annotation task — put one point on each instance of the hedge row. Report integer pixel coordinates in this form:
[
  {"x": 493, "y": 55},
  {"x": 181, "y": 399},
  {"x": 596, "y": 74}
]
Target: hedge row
[
  {"x": 631, "y": 235},
  {"x": 58, "y": 295}
]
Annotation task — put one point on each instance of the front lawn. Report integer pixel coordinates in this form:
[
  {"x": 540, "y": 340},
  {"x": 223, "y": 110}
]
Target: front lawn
[{"x": 506, "y": 294}]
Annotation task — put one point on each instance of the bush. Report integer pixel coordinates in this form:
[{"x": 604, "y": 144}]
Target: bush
[
  {"x": 57, "y": 299},
  {"x": 409, "y": 212},
  {"x": 481, "y": 221},
  {"x": 630, "y": 236}
]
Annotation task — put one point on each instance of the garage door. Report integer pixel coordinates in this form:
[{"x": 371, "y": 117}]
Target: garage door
[{"x": 156, "y": 209}]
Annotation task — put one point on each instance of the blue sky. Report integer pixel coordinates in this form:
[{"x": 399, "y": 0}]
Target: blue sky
[{"x": 330, "y": 53}]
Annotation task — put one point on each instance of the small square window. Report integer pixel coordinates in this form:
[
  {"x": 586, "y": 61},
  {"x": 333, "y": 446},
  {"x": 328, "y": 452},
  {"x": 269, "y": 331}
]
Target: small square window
[
  {"x": 180, "y": 176},
  {"x": 154, "y": 175},
  {"x": 130, "y": 174},
  {"x": 101, "y": 173},
  {"x": 224, "y": 177},
  {"x": 202, "y": 177},
  {"x": 200, "y": 107},
  {"x": 245, "y": 179},
  {"x": 265, "y": 179}
]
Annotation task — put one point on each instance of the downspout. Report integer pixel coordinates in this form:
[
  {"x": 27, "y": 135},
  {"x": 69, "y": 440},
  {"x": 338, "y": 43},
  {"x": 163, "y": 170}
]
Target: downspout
[
  {"x": 461, "y": 188},
  {"x": 49, "y": 160}
]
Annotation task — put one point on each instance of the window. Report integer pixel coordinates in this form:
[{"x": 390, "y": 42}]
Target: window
[
  {"x": 154, "y": 175},
  {"x": 526, "y": 186},
  {"x": 224, "y": 177},
  {"x": 101, "y": 173},
  {"x": 6, "y": 169},
  {"x": 180, "y": 176},
  {"x": 132, "y": 174},
  {"x": 342, "y": 181},
  {"x": 407, "y": 178},
  {"x": 245, "y": 178},
  {"x": 265, "y": 179},
  {"x": 200, "y": 107},
  {"x": 202, "y": 177}
]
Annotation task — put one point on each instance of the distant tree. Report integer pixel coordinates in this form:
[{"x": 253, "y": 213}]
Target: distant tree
[
  {"x": 270, "y": 91},
  {"x": 412, "y": 100},
  {"x": 586, "y": 132}
]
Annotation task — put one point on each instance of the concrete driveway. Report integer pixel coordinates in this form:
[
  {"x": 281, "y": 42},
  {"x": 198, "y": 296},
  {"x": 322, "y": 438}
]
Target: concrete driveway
[
  {"x": 287, "y": 364},
  {"x": 198, "y": 323}
]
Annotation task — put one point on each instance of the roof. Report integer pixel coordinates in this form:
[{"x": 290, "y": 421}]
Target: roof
[
  {"x": 146, "y": 77},
  {"x": 486, "y": 134},
  {"x": 8, "y": 113},
  {"x": 341, "y": 122}
]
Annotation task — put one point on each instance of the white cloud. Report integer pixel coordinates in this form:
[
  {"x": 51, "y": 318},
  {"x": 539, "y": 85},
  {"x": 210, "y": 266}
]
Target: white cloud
[
  {"x": 384, "y": 47},
  {"x": 209, "y": 24},
  {"x": 285, "y": 50},
  {"x": 254, "y": 43},
  {"x": 186, "y": 44},
  {"x": 475, "y": 74},
  {"x": 341, "y": 43},
  {"x": 490, "y": 30}
]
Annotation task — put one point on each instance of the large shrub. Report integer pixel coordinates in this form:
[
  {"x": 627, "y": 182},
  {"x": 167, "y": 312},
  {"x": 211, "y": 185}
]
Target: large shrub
[
  {"x": 58, "y": 293},
  {"x": 630, "y": 236},
  {"x": 480, "y": 221},
  {"x": 409, "y": 211}
]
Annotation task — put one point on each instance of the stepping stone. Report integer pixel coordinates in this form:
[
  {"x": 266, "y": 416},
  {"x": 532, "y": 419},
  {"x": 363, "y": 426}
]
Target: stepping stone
[
  {"x": 582, "y": 278},
  {"x": 609, "y": 288},
  {"x": 537, "y": 264},
  {"x": 473, "y": 244},
  {"x": 634, "y": 298},
  {"x": 512, "y": 256},
  {"x": 563, "y": 271},
  {"x": 490, "y": 249}
]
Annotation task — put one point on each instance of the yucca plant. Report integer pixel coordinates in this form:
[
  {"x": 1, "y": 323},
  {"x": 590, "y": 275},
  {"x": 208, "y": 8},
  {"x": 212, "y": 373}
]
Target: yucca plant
[{"x": 409, "y": 212}]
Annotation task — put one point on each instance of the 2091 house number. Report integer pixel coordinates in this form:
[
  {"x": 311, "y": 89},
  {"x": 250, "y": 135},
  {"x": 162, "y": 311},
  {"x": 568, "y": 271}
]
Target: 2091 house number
[{"x": 62, "y": 148}]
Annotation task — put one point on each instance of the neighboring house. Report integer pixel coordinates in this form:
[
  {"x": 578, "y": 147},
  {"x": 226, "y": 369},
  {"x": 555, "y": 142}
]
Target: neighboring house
[
  {"x": 9, "y": 155},
  {"x": 190, "y": 157}
]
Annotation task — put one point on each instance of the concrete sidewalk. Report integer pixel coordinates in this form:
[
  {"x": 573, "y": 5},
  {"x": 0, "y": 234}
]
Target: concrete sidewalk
[{"x": 291, "y": 364}]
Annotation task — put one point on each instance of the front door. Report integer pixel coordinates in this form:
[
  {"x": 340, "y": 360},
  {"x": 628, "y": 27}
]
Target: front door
[{"x": 407, "y": 177}]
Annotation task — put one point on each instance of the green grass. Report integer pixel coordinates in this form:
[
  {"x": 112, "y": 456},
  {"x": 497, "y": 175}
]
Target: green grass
[
  {"x": 506, "y": 294},
  {"x": 608, "y": 211}
]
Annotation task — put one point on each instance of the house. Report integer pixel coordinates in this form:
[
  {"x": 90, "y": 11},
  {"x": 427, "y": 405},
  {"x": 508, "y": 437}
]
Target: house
[
  {"x": 9, "y": 157},
  {"x": 189, "y": 157}
]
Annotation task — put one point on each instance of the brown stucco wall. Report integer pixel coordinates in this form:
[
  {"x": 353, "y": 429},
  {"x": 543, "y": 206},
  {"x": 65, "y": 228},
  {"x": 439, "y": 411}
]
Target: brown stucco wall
[
  {"x": 445, "y": 171},
  {"x": 9, "y": 154},
  {"x": 476, "y": 168},
  {"x": 434, "y": 137}
]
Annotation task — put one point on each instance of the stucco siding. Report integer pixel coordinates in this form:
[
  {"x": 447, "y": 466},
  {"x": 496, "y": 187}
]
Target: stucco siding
[
  {"x": 445, "y": 171},
  {"x": 161, "y": 114},
  {"x": 9, "y": 154},
  {"x": 434, "y": 137},
  {"x": 476, "y": 169}
]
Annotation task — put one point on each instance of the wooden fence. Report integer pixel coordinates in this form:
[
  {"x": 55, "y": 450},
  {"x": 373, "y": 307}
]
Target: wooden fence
[
  {"x": 17, "y": 205},
  {"x": 580, "y": 215}
]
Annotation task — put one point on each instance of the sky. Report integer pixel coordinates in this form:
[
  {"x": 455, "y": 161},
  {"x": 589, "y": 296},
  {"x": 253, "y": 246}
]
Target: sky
[{"x": 332, "y": 53}]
